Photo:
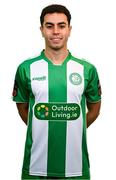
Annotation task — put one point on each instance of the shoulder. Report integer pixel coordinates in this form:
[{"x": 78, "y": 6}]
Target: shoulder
[
  {"x": 27, "y": 63},
  {"x": 88, "y": 66},
  {"x": 82, "y": 61}
]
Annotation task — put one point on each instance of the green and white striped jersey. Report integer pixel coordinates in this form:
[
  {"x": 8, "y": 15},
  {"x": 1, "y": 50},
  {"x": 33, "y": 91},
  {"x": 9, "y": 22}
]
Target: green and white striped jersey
[{"x": 56, "y": 133}]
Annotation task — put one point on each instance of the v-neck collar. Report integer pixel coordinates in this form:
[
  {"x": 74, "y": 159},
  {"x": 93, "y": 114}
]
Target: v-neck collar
[{"x": 50, "y": 62}]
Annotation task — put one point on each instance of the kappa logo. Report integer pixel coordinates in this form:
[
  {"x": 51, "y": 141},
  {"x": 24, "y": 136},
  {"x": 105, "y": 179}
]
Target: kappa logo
[
  {"x": 75, "y": 78},
  {"x": 42, "y": 78}
]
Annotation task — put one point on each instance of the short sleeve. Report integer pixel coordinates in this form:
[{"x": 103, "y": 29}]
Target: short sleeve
[
  {"x": 20, "y": 90},
  {"x": 93, "y": 90}
]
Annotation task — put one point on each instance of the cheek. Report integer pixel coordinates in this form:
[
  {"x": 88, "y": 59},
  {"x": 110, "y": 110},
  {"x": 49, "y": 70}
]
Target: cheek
[
  {"x": 66, "y": 35},
  {"x": 46, "y": 35}
]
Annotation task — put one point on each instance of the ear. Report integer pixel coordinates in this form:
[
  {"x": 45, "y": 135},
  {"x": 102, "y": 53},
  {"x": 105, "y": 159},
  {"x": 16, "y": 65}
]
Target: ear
[
  {"x": 70, "y": 28},
  {"x": 41, "y": 29}
]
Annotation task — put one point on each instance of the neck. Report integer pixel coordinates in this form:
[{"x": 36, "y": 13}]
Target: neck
[{"x": 56, "y": 56}]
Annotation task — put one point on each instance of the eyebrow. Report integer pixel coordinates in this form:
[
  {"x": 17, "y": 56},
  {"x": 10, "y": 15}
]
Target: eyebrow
[{"x": 60, "y": 23}]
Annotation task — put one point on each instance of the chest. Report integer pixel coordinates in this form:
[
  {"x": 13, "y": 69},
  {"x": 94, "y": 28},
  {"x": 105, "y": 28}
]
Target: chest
[{"x": 57, "y": 81}]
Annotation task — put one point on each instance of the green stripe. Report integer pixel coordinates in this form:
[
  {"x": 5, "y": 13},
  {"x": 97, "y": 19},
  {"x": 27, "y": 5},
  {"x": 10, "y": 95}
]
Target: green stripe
[
  {"x": 28, "y": 144},
  {"x": 57, "y": 130},
  {"x": 85, "y": 159}
]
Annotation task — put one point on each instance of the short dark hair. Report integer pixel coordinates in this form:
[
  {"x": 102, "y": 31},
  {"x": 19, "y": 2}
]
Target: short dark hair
[{"x": 55, "y": 8}]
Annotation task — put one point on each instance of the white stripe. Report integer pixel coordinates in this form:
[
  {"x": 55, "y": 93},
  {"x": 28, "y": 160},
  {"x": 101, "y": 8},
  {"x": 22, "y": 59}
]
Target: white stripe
[
  {"x": 38, "y": 163},
  {"x": 74, "y": 128}
]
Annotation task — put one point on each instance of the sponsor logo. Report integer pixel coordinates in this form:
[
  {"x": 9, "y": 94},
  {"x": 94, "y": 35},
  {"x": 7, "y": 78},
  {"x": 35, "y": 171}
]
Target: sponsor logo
[
  {"x": 56, "y": 111},
  {"x": 42, "y": 78},
  {"x": 75, "y": 78},
  {"x": 41, "y": 111}
]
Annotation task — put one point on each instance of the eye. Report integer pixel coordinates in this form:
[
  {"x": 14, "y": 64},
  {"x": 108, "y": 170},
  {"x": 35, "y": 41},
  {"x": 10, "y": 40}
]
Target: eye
[
  {"x": 49, "y": 26},
  {"x": 62, "y": 26}
]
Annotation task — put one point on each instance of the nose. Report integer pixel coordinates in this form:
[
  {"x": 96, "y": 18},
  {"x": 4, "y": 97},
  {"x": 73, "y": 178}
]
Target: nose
[{"x": 56, "y": 30}]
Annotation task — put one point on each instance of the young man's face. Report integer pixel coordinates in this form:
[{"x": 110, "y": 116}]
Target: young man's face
[{"x": 56, "y": 30}]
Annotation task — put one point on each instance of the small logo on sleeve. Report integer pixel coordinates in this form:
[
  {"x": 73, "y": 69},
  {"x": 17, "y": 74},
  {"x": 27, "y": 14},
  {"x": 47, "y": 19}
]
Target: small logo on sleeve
[
  {"x": 99, "y": 88},
  {"x": 15, "y": 89}
]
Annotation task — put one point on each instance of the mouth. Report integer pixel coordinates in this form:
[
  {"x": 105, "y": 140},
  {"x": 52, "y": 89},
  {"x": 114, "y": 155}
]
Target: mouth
[{"x": 56, "y": 39}]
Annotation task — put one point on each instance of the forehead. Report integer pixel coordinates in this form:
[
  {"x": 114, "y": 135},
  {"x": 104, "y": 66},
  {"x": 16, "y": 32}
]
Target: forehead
[{"x": 55, "y": 18}]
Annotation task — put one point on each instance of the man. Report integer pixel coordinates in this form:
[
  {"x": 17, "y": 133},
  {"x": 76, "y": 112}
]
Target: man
[{"x": 51, "y": 92}]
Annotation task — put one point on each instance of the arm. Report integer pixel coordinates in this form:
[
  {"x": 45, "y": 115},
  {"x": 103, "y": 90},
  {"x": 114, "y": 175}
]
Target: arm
[
  {"x": 93, "y": 112},
  {"x": 23, "y": 111}
]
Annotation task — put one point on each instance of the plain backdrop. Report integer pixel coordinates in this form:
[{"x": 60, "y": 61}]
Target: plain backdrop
[{"x": 93, "y": 38}]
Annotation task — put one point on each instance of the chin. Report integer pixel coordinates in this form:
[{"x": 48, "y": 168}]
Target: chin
[{"x": 56, "y": 47}]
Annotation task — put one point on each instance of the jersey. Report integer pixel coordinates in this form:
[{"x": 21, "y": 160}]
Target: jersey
[{"x": 56, "y": 142}]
